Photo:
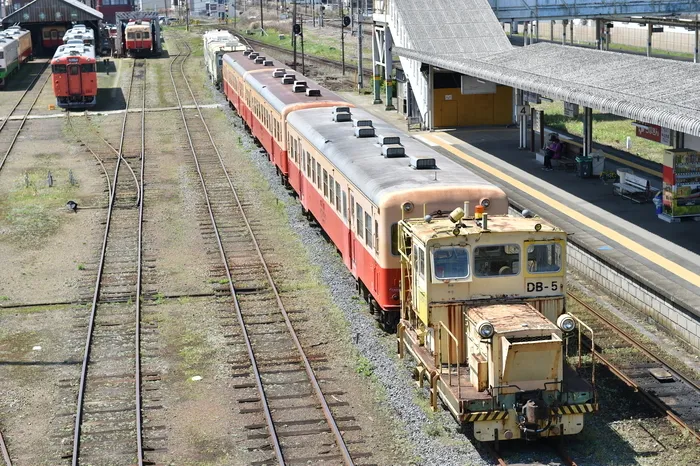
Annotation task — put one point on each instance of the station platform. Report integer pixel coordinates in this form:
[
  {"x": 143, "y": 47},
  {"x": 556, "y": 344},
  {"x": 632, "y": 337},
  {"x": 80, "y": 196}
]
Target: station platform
[{"x": 663, "y": 257}]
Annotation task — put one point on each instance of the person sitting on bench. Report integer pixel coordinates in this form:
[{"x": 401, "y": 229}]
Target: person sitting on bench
[{"x": 553, "y": 151}]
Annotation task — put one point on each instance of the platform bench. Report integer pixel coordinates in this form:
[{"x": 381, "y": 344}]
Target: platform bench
[
  {"x": 634, "y": 188},
  {"x": 565, "y": 162}
]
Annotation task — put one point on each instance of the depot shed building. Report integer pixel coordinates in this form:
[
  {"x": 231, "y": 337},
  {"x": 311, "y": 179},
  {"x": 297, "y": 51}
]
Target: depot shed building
[{"x": 36, "y": 15}]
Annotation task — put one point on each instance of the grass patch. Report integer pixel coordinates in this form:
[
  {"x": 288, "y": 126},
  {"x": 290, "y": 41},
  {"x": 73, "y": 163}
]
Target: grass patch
[
  {"x": 610, "y": 130},
  {"x": 195, "y": 353},
  {"x": 32, "y": 209},
  {"x": 4, "y": 298},
  {"x": 364, "y": 367},
  {"x": 81, "y": 267}
]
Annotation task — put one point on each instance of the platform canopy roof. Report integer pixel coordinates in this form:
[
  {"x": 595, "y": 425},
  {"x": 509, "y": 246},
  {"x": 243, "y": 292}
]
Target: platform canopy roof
[
  {"x": 50, "y": 11},
  {"x": 650, "y": 90},
  {"x": 466, "y": 28}
]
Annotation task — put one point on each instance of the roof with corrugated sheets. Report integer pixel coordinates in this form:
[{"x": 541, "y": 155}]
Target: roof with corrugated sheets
[
  {"x": 41, "y": 11},
  {"x": 454, "y": 28},
  {"x": 651, "y": 90}
]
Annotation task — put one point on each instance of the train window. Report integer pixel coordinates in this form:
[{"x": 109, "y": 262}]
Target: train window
[
  {"x": 2, "y": 55},
  {"x": 318, "y": 175},
  {"x": 368, "y": 230},
  {"x": 88, "y": 68},
  {"x": 331, "y": 188},
  {"x": 47, "y": 35},
  {"x": 544, "y": 258},
  {"x": 394, "y": 239},
  {"x": 58, "y": 69},
  {"x": 345, "y": 206},
  {"x": 294, "y": 149},
  {"x": 494, "y": 261},
  {"x": 420, "y": 261},
  {"x": 313, "y": 170},
  {"x": 325, "y": 183},
  {"x": 376, "y": 236},
  {"x": 359, "y": 216},
  {"x": 73, "y": 70},
  {"x": 308, "y": 163},
  {"x": 450, "y": 263},
  {"x": 130, "y": 36},
  {"x": 146, "y": 35},
  {"x": 337, "y": 196}
]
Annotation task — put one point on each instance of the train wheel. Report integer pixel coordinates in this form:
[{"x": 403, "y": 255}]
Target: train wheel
[{"x": 373, "y": 306}]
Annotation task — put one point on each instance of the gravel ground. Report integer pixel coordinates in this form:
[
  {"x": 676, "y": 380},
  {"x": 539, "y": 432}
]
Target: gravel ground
[{"x": 433, "y": 436}]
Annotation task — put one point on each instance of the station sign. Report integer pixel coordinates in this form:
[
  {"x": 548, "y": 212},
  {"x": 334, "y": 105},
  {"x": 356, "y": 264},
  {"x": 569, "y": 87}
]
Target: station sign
[
  {"x": 570, "y": 110},
  {"x": 531, "y": 97},
  {"x": 654, "y": 133},
  {"x": 471, "y": 85}
]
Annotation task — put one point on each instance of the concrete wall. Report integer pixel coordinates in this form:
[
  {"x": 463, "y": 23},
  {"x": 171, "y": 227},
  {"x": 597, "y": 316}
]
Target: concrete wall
[{"x": 666, "y": 314}]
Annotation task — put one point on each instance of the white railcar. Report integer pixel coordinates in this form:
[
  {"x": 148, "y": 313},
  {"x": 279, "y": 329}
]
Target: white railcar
[{"x": 216, "y": 44}]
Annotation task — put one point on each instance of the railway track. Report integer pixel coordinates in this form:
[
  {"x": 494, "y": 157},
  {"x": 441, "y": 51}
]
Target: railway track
[
  {"x": 5, "y": 453},
  {"x": 665, "y": 388},
  {"x": 11, "y": 126},
  {"x": 298, "y": 425},
  {"x": 350, "y": 66},
  {"x": 108, "y": 415}
]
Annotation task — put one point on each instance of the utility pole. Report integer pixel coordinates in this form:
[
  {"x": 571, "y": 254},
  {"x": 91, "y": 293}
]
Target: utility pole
[
  {"x": 360, "y": 77},
  {"x": 187, "y": 16},
  {"x": 313, "y": 12},
  {"x": 342, "y": 36},
  {"x": 294, "y": 34},
  {"x": 234, "y": 13},
  {"x": 261, "y": 16}
]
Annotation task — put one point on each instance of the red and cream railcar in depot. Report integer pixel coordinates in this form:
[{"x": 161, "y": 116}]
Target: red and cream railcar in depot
[
  {"x": 24, "y": 37},
  {"x": 52, "y": 36},
  {"x": 264, "y": 95},
  {"x": 357, "y": 176},
  {"x": 74, "y": 76},
  {"x": 139, "y": 37}
]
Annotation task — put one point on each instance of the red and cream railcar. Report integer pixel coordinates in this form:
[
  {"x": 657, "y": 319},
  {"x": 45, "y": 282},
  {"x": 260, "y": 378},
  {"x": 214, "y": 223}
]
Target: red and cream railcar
[
  {"x": 358, "y": 176},
  {"x": 264, "y": 95},
  {"x": 139, "y": 37},
  {"x": 24, "y": 37},
  {"x": 74, "y": 76},
  {"x": 52, "y": 36}
]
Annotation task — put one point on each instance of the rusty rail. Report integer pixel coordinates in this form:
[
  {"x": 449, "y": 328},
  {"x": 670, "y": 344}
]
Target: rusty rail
[
  {"x": 651, "y": 399},
  {"x": 5, "y": 454}
]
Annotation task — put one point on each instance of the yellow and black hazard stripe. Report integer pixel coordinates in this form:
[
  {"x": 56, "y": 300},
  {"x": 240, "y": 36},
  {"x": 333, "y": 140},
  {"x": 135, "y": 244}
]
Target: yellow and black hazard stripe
[
  {"x": 486, "y": 416},
  {"x": 578, "y": 409}
]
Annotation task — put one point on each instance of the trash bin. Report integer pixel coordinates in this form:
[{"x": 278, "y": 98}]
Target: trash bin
[
  {"x": 658, "y": 203},
  {"x": 585, "y": 166}
]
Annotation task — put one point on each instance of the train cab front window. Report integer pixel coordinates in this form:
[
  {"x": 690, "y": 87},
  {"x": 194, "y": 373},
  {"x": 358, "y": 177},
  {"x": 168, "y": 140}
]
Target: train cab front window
[
  {"x": 544, "y": 258},
  {"x": 497, "y": 260},
  {"x": 2, "y": 55},
  {"x": 130, "y": 35},
  {"x": 146, "y": 35},
  {"x": 74, "y": 70},
  {"x": 450, "y": 263},
  {"x": 58, "y": 69},
  {"x": 88, "y": 68}
]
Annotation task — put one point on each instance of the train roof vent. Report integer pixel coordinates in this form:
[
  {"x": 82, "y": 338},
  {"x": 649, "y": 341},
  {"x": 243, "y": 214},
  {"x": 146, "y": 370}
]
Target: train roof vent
[
  {"x": 361, "y": 122},
  {"x": 422, "y": 163},
  {"x": 298, "y": 87},
  {"x": 313, "y": 92},
  {"x": 269, "y": 63},
  {"x": 364, "y": 132},
  {"x": 287, "y": 80},
  {"x": 300, "y": 83},
  {"x": 259, "y": 60},
  {"x": 341, "y": 109},
  {"x": 247, "y": 52},
  {"x": 391, "y": 151},
  {"x": 253, "y": 55},
  {"x": 384, "y": 140},
  {"x": 278, "y": 73},
  {"x": 341, "y": 116}
]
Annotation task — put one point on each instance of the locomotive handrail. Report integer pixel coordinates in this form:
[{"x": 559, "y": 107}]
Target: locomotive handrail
[
  {"x": 438, "y": 356},
  {"x": 593, "y": 353}
]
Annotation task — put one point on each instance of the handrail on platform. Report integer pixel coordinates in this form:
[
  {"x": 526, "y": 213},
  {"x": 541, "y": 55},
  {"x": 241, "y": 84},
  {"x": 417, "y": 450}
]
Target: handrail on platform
[{"x": 438, "y": 356}]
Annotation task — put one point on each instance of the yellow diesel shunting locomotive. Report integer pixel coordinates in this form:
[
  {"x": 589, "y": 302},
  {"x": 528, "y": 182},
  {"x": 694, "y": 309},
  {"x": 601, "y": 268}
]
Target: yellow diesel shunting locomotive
[{"x": 480, "y": 299}]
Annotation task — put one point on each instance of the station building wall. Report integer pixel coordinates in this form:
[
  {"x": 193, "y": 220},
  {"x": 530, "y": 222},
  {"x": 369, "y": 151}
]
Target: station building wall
[{"x": 452, "y": 108}]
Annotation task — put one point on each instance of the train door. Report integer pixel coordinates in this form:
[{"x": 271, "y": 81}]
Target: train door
[
  {"x": 351, "y": 242},
  {"x": 74, "y": 84},
  {"x": 138, "y": 44},
  {"x": 54, "y": 37},
  {"x": 303, "y": 166}
]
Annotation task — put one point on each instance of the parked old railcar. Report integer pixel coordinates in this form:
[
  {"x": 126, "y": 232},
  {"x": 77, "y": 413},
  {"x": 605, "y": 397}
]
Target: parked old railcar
[{"x": 74, "y": 76}]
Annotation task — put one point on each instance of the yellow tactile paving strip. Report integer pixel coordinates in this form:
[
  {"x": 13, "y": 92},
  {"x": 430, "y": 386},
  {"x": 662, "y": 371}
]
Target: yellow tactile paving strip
[{"x": 448, "y": 143}]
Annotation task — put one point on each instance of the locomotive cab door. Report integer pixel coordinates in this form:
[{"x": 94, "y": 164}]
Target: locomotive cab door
[{"x": 74, "y": 83}]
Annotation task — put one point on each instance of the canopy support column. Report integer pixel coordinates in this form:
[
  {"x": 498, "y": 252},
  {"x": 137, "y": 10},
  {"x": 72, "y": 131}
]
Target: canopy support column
[
  {"x": 587, "y": 130},
  {"x": 649, "y": 33}
]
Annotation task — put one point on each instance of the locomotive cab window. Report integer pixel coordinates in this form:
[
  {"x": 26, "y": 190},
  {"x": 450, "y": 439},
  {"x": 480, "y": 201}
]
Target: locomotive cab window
[
  {"x": 58, "y": 69},
  {"x": 88, "y": 68},
  {"x": 146, "y": 35},
  {"x": 130, "y": 35},
  {"x": 450, "y": 263},
  {"x": 497, "y": 260},
  {"x": 544, "y": 258},
  {"x": 74, "y": 70}
]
